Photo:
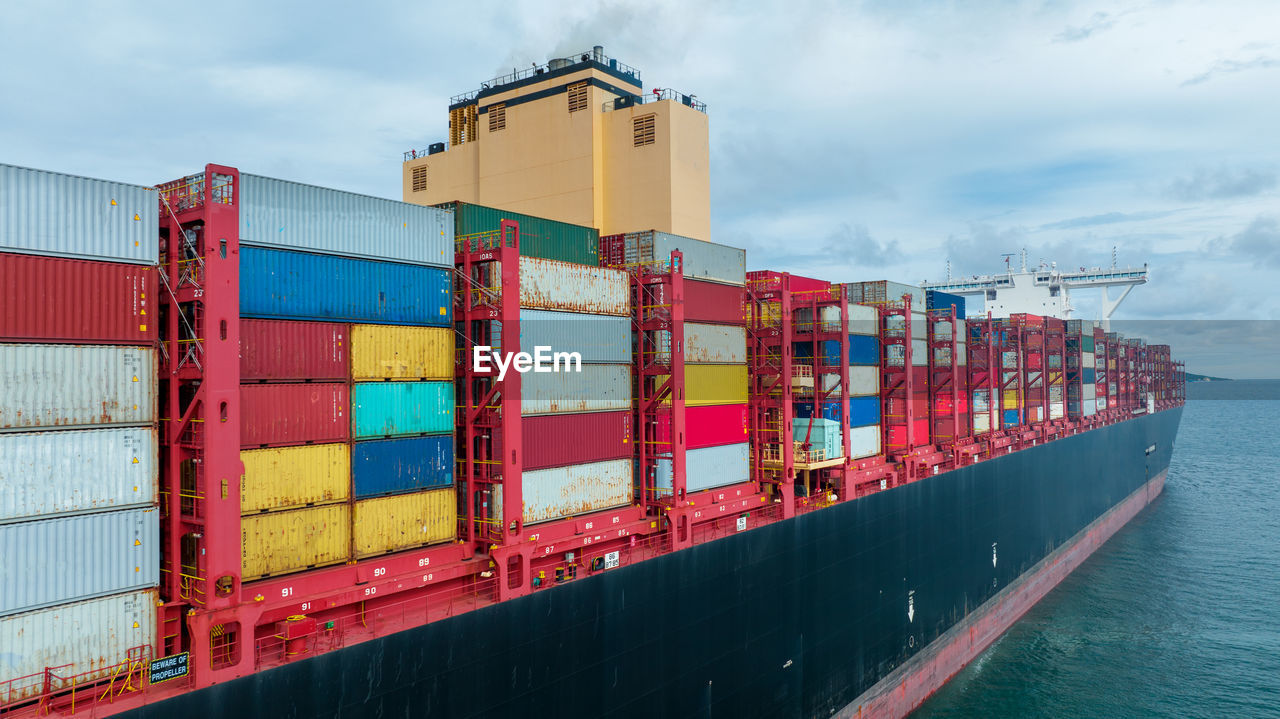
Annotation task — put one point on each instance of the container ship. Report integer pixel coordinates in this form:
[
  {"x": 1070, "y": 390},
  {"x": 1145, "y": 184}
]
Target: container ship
[{"x": 526, "y": 443}]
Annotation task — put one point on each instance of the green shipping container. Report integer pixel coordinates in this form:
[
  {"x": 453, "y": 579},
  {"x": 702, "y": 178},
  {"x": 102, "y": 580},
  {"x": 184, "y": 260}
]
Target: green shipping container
[
  {"x": 396, "y": 409},
  {"x": 539, "y": 237},
  {"x": 1086, "y": 344}
]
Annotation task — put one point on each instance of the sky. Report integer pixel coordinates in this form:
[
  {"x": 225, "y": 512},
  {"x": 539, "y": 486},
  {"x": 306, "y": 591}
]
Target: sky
[{"x": 849, "y": 140}]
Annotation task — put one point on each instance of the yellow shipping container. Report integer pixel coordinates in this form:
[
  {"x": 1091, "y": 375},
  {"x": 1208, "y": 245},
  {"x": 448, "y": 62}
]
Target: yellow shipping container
[
  {"x": 708, "y": 384},
  {"x": 275, "y": 543},
  {"x": 1011, "y": 399},
  {"x": 402, "y": 521},
  {"x": 292, "y": 477},
  {"x": 393, "y": 352}
]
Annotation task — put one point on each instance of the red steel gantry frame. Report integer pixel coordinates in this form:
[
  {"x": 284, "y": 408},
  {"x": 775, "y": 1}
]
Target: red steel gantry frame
[
  {"x": 770, "y": 368},
  {"x": 815, "y": 325}
]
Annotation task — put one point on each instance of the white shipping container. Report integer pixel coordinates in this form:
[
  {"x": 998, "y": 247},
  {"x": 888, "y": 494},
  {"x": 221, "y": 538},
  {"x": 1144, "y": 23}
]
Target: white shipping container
[
  {"x": 293, "y": 216},
  {"x": 702, "y": 260},
  {"x": 919, "y": 353},
  {"x": 1089, "y": 407},
  {"x": 864, "y": 441},
  {"x": 51, "y": 386},
  {"x": 597, "y": 388},
  {"x": 67, "y": 559},
  {"x": 863, "y": 381},
  {"x": 93, "y": 637},
  {"x": 709, "y": 467},
  {"x": 1090, "y": 391},
  {"x": 575, "y": 489},
  {"x": 715, "y": 344},
  {"x": 1057, "y": 410},
  {"x": 50, "y": 473},
  {"x": 1087, "y": 360},
  {"x": 569, "y": 287},
  {"x": 602, "y": 339},
  {"x": 981, "y": 422},
  {"x": 49, "y": 213}
]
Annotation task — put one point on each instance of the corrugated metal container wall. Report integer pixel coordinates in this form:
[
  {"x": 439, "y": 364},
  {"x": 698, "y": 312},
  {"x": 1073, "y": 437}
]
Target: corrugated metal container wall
[
  {"x": 275, "y": 543},
  {"x": 597, "y": 388},
  {"x": 863, "y": 381},
  {"x": 392, "y": 466},
  {"x": 291, "y": 477},
  {"x": 576, "y": 489},
  {"x": 283, "y": 350},
  {"x": 601, "y": 339},
  {"x": 709, "y": 467},
  {"x": 539, "y": 237},
  {"x": 282, "y": 414},
  {"x": 389, "y": 409},
  {"x": 715, "y": 344},
  {"x": 878, "y": 291},
  {"x": 864, "y": 441},
  {"x": 53, "y": 386},
  {"x": 277, "y": 284},
  {"x": 823, "y": 435},
  {"x": 566, "y": 287},
  {"x": 714, "y": 384},
  {"x": 556, "y": 440},
  {"x": 864, "y": 350},
  {"x": 398, "y": 352},
  {"x": 52, "y": 299},
  {"x": 709, "y": 426},
  {"x": 388, "y": 524},
  {"x": 702, "y": 260},
  {"x": 291, "y": 215},
  {"x": 49, "y": 213},
  {"x": 937, "y": 300},
  {"x": 43, "y": 473},
  {"x": 92, "y": 637},
  {"x": 863, "y": 411},
  {"x": 712, "y": 302},
  {"x": 92, "y": 555}
]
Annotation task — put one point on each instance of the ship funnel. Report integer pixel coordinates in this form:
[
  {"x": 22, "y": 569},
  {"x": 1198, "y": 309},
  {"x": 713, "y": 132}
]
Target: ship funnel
[{"x": 598, "y": 53}]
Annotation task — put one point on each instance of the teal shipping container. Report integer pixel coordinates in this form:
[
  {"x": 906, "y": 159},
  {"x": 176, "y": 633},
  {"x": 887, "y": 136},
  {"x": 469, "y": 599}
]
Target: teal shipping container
[
  {"x": 822, "y": 434},
  {"x": 396, "y": 409},
  {"x": 539, "y": 237}
]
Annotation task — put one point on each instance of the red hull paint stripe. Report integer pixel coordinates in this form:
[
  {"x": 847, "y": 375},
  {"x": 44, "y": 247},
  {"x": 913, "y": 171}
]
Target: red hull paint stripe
[{"x": 909, "y": 685}]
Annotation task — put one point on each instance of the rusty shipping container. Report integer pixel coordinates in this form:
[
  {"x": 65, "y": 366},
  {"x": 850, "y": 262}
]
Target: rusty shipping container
[
  {"x": 403, "y": 521},
  {"x": 567, "y": 287},
  {"x": 53, "y": 299},
  {"x": 715, "y": 344},
  {"x": 399, "y": 352},
  {"x": 557, "y": 440},
  {"x": 87, "y": 641},
  {"x": 291, "y": 351},
  {"x": 576, "y": 489},
  {"x": 74, "y": 471},
  {"x": 275, "y": 543},
  {"x": 702, "y": 260},
  {"x": 46, "y": 386},
  {"x": 288, "y": 414},
  {"x": 279, "y": 478},
  {"x": 50, "y": 213}
]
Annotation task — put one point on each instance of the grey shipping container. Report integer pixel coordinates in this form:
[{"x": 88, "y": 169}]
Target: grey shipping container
[
  {"x": 68, "y": 559},
  {"x": 52, "y": 386},
  {"x": 880, "y": 291},
  {"x": 702, "y": 260},
  {"x": 715, "y": 344},
  {"x": 709, "y": 467},
  {"x": 49, "y": 213},
  {"x": 85, "y": 640},
  {"x": 293, "y": 216},
  {"x": 50, "y": 473},
  {"x": 575, "y": 489},
  {"x": 598, "y": 338},
  {"x": 597, "y": 388}
]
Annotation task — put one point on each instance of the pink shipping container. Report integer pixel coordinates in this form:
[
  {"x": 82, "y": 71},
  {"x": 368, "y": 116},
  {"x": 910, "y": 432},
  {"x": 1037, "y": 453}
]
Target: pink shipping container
[
  {"x": 286, "y": 350},
  {"x": 558, "y": 440},
  {"x": 286, "y": 414},
  {"x": 710, "y": 426},
  {"x": 54, "y": 299}
]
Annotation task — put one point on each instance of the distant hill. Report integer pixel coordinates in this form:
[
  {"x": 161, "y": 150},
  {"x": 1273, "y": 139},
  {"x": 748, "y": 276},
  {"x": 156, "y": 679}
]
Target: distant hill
[{"x": 1193, "y": 377}]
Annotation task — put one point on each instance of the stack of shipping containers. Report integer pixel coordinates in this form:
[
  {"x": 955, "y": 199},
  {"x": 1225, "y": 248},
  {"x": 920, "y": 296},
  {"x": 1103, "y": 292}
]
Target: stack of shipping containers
[
  {"x": 953, "y": 401},
  {"x": 79, "y": 525},
  {"x": 346, "y": 376},
  {"x": 881, "y": 293},
  {"x": 715, "y": 355}
]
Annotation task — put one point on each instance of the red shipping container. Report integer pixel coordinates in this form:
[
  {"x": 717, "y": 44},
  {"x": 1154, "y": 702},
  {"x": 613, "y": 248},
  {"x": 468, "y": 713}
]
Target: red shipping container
[
  {"x": 944, "y": 430},
  {"x": 943, "y": 403},
  {"x": 559, "y": 440},
  {"x": 709, "y": 426},
  {"x": 712, "y": 302},
  {"x": 897, "y": 441},
  {"x": 283, "y": 414},
  {"x": 286, "y": 350},
  {"x": 55, "y": 299}
]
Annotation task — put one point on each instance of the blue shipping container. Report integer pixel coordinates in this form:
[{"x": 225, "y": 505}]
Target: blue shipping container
[
  {"x": 863, "y": 411},
  {"x": 863, "y": 350},
  {"x": 1090, "y": 375},
  {"x": 1010, "y": 417},
  {"x": 278, "y": 284},
  {"x": 388, "y": 409},
  {"x": 392, "y": 466},
  {"x": 935, "y": 300}
]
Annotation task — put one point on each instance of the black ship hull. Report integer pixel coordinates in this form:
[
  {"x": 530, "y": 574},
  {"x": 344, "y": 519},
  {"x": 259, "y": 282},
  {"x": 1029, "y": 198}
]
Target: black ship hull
[{"x": 862, "y": 608}]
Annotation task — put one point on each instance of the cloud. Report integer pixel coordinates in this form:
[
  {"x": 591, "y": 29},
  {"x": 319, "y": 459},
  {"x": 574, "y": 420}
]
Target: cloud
[
  {"x": 1259, "y": 242},
  {"x": 1226, "y": 67},
  {"x": 1106, "y": 219},
  {"x": 1098, "y": 22},
  {"x": 855, "y": 245},
  {"x": 1204, "y": 184}
]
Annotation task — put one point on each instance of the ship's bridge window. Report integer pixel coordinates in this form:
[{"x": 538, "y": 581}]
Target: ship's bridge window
[
  {"x": 643, "y": 130},
  {"x": 497, "y": 117},
  {"x": 991, "y": 294},
  {"x": 1055, "y": 290},
  {"x": 577, "y": 96}
]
